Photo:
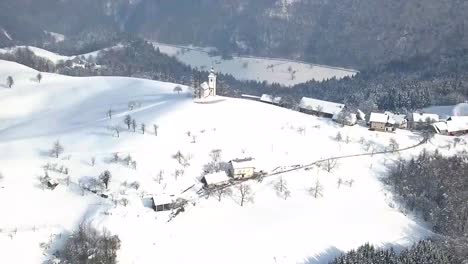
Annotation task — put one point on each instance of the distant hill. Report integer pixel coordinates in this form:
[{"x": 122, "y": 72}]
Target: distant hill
[{"x": 353, "y": 33}]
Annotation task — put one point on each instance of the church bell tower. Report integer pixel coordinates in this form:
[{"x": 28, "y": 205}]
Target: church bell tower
[{"x": 212, "y": 82}]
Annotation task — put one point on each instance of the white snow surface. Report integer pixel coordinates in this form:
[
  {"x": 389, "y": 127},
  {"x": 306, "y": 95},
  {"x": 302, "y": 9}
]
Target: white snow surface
[
  {"x": 260, "y": 69},
  {"x": 301, "y": 229}
]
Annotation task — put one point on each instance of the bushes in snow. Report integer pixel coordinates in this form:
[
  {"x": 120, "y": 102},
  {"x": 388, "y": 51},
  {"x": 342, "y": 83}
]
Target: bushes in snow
[{"x": 90, "y": 246}]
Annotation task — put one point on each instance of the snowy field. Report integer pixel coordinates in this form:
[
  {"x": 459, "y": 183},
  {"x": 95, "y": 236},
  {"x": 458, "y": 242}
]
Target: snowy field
[
  {"x": 280, "y": 71},
  {"x": 270, "y": 229}
]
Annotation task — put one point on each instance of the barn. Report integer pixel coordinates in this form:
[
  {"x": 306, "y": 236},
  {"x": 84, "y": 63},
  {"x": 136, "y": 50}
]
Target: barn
[{"x": 320, "y": 107}]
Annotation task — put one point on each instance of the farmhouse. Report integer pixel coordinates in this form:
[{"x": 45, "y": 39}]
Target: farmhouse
[
  {"x": 215, "y": 179},
  {"x": 400, "y": 120},
  {"x": 241, "y": 168},
  {"x": 320, "y": 107},
  {"x": 381, "y": 122},
  {"x": 269, "y": 99},
  {"x": 454, "y": 126}
]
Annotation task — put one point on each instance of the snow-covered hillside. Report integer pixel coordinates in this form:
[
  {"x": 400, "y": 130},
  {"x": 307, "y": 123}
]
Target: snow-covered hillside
[
  {"x": 271, "y": 229},
  {"x": 271, "y": 70},
  {"x": 54, "y": 57}
]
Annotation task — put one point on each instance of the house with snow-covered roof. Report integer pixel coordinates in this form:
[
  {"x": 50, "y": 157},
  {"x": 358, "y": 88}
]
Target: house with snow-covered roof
[
  {"x": 453, "y": 126},
  {"x": 215, "y": 179},
  {"x": 163, "y": 202},
  {"x": 399, "y": 120},
  {"x": 242, "y": 168},
  {"x": 320, "y": 107},
  {"x": 381, "y": 122},
  {"x": 270, "y": 99}
]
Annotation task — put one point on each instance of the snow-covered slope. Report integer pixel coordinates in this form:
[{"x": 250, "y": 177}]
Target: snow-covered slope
[
  {"x": 54, "y": 57},
  {"x": 271, "y": 70},
  {"x": 300, "y": 229}
]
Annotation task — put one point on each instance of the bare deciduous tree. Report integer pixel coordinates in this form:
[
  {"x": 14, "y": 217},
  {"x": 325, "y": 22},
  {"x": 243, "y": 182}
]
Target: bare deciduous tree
[
  {"x": 245, "y": 193},
  {"x": 128, "y": 121},
  {"x": 316, "y": 190},
  {"x": 338, "y": 137},
  {"x": 281, "y": 188},
  {"x": 115, "y": 130},
  {"x": 340, "y": 181},
  {"x": 57, "y": 149},
  {"x": 330, "y": 164},
  {"x": 393, "y": 144},
  {"x": 109, "y": 113},
  {"x": 215, "y": 155},
  {"x": 159, "y": 177},
  {"x": 115, "y": 157},
  {"x": 10, "y": 81},
  {"x": 143, "y": 128},
  {"x": 222, "y": 192},
  {"x": 93, "y": 161},
  {"x": 105, "y": 178},
  {"x": 179, "y": 157},
  {"x": 134, "y": 125},
  {"x": 155, "y": 129}
]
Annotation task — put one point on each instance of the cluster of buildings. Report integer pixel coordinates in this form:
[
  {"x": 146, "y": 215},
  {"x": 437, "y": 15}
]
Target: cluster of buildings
[
  {"x": 385, "y": 122},
  {"x": 237, "y": 169}
]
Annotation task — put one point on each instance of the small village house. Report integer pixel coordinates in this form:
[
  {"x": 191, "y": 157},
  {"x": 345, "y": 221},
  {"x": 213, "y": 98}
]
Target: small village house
[
  {"x": 453, "y": 126},
  {"x": 162, "y": 202},
  {"x": 399, "y": 120},
  {"x": 215, "y": 179},
  {"x": 320, "y": 107},
  {"x": 381, "y": 122},
  {"x": 270, "y": 99},
  {"x": 241, "y": 168}
]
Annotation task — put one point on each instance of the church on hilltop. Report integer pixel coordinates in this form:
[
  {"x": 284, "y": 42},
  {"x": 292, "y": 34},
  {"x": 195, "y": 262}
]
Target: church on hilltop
[{"x": 207, "y": 89}]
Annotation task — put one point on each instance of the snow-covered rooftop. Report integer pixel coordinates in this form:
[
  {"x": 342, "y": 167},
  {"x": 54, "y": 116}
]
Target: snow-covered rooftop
[
  {"x": 243, "y": 163},
  {"x": 440, "y": 126},
  {"x": 396, "y": 118},
  {"x": 457, "y": 123},
  {"x": 216, "y": 178},
  {"x": 422, "y": 117},
  {"x": 163, "y": 199},
  {"x": 379, "y": 118},
  {"x": 324, "y": 106},
  {"x": 269, "y": 99},
  {"x": 204, "y": 86}
]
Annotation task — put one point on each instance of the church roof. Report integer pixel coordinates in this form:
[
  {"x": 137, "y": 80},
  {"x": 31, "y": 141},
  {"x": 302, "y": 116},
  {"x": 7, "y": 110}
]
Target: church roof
[{"x": 204, "y": 86}]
